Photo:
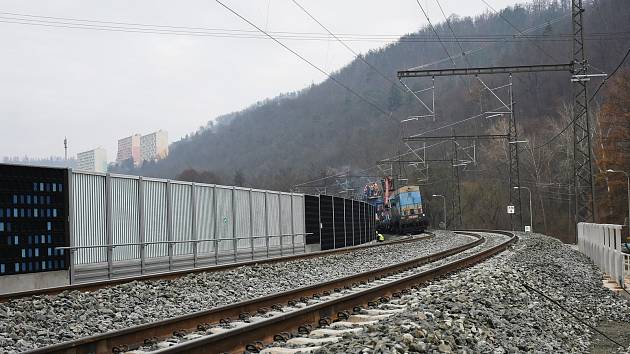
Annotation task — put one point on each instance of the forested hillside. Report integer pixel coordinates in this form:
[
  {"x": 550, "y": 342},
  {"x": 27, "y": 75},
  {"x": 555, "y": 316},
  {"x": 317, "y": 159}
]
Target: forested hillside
[{"x": 324, "y": 128}]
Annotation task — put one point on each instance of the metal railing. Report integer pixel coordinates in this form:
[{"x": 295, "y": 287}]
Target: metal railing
[
  {"x": 235, "y": 252},
  {"x": 602, "y": 244}
]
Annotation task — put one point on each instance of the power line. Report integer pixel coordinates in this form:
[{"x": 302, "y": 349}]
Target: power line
[
  {"x": 375, "y": 106},
  {"x": 518, "y": 30},
  {"x": 611, "y": 75},
  {"x": 130, "y": 27},
  {"x": 448, "y": 23},
  {"x": 348, "y": 47},
  {"x": 590, "y": 99},
  {"x": 434, "y": 31},
  {"x": 476, "y": 50}
]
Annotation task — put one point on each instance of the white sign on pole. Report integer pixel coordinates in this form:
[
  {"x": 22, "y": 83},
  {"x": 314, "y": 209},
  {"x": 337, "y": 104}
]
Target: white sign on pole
[
  {"x": 510, "y": 209},
  {"x": 528, "y": 228}
]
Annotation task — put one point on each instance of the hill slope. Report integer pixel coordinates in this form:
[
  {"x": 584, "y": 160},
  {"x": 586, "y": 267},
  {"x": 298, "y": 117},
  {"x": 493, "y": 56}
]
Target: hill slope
[{"x": 293, "y": 137}]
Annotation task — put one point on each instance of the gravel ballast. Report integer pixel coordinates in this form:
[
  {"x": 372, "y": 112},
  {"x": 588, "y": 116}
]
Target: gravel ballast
[
  {"x": 39, "y": 321},
  {"x": 497, "y": 307}
]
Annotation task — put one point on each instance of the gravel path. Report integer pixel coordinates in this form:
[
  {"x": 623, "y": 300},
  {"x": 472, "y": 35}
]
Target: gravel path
[
  {"x": 44, "y": 320},
  {"x": 487, "y": 308}
]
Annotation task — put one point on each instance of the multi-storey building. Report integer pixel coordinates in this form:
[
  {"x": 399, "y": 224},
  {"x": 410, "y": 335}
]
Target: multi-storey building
[
  {"x": 154, "y": 146},
  {"x": 129, "y": 148},
  {"x": 92, "y": 160}
]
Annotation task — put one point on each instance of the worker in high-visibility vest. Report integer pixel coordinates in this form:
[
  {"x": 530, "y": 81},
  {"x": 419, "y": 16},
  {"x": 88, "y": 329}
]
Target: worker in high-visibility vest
[{"x": 379, "y": 237}]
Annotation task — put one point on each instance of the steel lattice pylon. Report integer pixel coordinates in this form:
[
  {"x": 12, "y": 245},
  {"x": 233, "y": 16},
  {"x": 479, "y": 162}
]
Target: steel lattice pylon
[
  {"x": 582, "y": 161},
  {"x": 516, "y": 219}
]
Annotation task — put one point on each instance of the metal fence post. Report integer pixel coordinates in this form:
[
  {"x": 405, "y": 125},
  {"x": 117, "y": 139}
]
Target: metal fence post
[
  {"x": 319, "y": 217},
  {"x": 292, "y": 226},
  {"x": 354, "y": 242},
  {"x": 193, "y": 217},
  {"x": 345, "y": 229},
  {"x": 280, "y": 223},
  {"x": 333, "y": 222},
  {"x": 169, "y": 223},
  {"x": 216, "y": 224},
  {"x": 71, "y": 225},
  {"x": 141, "y": 226},
  {"x": 109, "y": 224},
  {"x": 266, "y": 223},
  {"x": 304, "y": 222},
  {"x": 251, "y": 223},
  {"x": 234, "y": 240}
]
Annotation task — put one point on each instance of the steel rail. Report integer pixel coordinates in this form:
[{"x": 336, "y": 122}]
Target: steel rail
[
  {"x": 235, "y": 340},
  {"x": 121, "y": 340},
  {"x": 92, "y": 286}
]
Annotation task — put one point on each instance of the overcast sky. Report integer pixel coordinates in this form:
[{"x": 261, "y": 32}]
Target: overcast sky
[{"x": 96, "y": 86}]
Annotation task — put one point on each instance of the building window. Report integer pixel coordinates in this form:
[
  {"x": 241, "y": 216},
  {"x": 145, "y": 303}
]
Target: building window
[
  {"x": 48, "y": 199},
  {"x": 35, "y": 212},
  {"x": 9, "y": 238},
  {"x": 30, "y": 239},
  {"x": 49, "y": 239},
  {"x": 37, "y": 252},
  {"x": 41, "y": 187},
  {"x": 34, "y": 199},
  {"x": 1, "y": 268},
  {"x": 1, "y": 226},
  {"x": 16, "y": 240},
  {"x": 60, "y": 188},
  {"x": 23, "y": 253},
  {"x": 21, "y": 198},
  {"x": 49, "y": 226},
  {"x": 35, "y": 187},
  {"x": 15, "y": 212},
  {"x": 17, "y": 267},
  {"x": 43, "y": 237},
  {"x": 28, "y": 199},
  {"x": 54, "y": 187},
  {"x": 54, "y": 213},
  {"x": 15, "y": 199}
]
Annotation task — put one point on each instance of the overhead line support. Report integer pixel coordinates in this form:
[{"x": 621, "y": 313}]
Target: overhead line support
[{"x": 486, "y": 70}]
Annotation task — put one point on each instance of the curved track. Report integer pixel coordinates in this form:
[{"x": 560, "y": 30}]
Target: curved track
[{"x": 234, "y": 327}]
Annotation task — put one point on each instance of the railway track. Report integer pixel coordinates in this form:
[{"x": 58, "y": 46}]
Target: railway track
[
  {"x": 247, "y": 325},
  {"x": 215, "y": 268}
]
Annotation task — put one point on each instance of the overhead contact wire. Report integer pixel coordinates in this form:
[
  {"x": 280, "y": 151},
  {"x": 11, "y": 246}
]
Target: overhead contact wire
[{"x": 374, "y": 105}]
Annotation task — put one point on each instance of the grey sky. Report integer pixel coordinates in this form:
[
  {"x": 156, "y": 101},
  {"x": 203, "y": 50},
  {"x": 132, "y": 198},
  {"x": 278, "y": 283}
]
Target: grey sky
[{"x": 98, "y": 86}]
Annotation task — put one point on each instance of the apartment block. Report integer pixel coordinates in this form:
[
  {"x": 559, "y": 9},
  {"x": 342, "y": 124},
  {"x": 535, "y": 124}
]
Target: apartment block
[
  {"x": 129, "y": 148},
  {"x": 92, "y": 160},
  {"x": 154, "y": 146}
]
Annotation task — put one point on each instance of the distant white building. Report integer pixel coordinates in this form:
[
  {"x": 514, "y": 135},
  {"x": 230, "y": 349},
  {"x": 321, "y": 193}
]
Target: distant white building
[
  {"x": 129, "y": 148},
  {"x": 92, "y": 160},
  {"x": 154, "y": 146}
]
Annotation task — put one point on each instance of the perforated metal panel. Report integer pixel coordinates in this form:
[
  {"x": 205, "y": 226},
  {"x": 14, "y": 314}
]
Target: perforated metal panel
[
  {"x": 225, "y": 219},
  {"x": 125, "y": 218},
  {"x": 243, "y": 218},
  {"x": 204, "y": 208},
  {"x": 259, "y": 216},
  {"x": 89, "y": 219},
  {"x": 181, "y": 201},
  {"x": 273, "y": 218},
  {"x": 155, "y": 218},
  {"x": 298, "y": 220},
  {"x": 285, "y": 219}
]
